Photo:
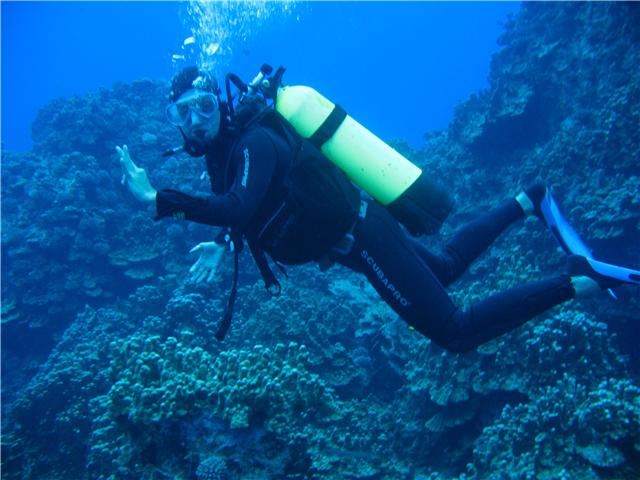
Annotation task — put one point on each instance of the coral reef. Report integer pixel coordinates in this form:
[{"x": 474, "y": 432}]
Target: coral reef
[
  {"x": 566, "y": 431},
  {"x": 212, "y": 468},
  {"x": 156, "y": 385},
  {"x": 70, "y": 237},
  {"x": 110, "y": 365}
]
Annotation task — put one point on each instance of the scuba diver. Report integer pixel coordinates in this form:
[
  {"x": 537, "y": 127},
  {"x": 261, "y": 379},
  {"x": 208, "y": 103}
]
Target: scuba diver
[{"x": 276, "y": 186}]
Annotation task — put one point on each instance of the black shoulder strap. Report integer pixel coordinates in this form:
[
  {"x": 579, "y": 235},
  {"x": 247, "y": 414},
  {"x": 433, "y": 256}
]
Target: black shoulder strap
[{"x": 273, "y": 121}]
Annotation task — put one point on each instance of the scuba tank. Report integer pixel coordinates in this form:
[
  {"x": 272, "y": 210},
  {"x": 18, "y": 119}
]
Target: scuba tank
[
  {"x": 407, "y": 192},
  {"x": 369, "y": 162}
]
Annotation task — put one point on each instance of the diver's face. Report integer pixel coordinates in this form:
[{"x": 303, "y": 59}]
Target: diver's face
[
  {"x": 202, "y": 128},
  {"x": 197, "y": 113}
]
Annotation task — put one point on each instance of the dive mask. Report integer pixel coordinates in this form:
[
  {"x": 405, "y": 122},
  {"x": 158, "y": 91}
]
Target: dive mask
[{"x": 203, "y": 103}]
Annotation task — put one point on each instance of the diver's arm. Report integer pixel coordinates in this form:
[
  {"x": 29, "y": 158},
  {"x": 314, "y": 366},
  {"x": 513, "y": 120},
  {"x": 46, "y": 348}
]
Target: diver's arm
[{"x": 254, "y": 158}]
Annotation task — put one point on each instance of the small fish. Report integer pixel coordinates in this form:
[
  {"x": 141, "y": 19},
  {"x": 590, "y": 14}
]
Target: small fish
[
  {"x": 175, "y": 57},
  {"x": 189, "y": 41}
]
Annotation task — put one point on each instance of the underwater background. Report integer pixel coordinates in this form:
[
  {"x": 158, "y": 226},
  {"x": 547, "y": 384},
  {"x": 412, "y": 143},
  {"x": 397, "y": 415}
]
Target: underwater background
[{"x": 110, "y": 368}]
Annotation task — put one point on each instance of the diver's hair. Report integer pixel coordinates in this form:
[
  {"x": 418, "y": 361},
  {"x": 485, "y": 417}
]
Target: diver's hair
[{"x": 189, "y": 78}]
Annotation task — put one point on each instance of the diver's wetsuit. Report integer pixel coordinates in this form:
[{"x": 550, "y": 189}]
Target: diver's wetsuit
[
  {"x": 407, "y": 276},
  {"x": 248, "y": 190},
  {"x": 411, "y": 279}
]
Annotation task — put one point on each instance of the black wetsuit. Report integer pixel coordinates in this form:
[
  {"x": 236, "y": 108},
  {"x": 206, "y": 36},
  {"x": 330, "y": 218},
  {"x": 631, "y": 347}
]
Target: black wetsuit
[
  {"x": 407, "y": 276},
  {"x": 247, "y": 178}
]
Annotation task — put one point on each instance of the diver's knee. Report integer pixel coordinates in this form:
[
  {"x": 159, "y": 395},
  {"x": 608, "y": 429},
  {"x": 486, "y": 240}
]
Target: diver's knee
[{"x": 453, "y": 338}]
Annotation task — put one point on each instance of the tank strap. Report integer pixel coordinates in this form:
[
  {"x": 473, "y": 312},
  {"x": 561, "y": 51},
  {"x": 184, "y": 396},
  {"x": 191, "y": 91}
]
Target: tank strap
[{"x": 328, "y": 127}]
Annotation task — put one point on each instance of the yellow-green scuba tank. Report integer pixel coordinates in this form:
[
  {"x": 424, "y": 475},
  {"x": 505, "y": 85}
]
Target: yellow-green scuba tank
[
  {"x": 369, "y": 162},
  {"x": 407, "y": 192}
]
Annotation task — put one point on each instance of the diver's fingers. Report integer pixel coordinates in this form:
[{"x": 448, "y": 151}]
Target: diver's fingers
[
  {"x": 196, "y": 266},
  {"x": 121, "y": 153},
  {"x": 212, "y": 274},
  {"x": 126, "y": 169},
  {"x": 122, "y": 164},
  {"x": 193, "y": 274},
  {"x": 196, "y": 248},
  {"x": 125, "y": 160},
  {"x": 201, "y": 275}
]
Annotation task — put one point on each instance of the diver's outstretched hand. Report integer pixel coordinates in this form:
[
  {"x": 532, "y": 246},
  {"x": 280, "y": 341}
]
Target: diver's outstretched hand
[
  {"x": 135, "y": 177},
  {"x": 204, "y": 270}
]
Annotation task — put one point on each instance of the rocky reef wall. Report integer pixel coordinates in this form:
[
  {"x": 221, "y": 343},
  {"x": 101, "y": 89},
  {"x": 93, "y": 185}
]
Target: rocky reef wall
[{"x": 111, "y": 369}]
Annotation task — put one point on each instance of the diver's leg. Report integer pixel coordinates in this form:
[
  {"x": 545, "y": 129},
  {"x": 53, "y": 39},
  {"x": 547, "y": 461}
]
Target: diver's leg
[
  {"x": 506, "y": 310},
  {"x": 474, "y": 238},
  {"x": 470, "y": 241},
  {"x": 503, "y": 312},
  {"x": 387, "y": 257}
]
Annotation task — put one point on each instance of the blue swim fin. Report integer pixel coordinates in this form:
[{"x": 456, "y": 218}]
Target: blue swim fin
[
  {"x": 606, "y": 274},
  {"x": 572, "y": 244},
  {"x": 561, "y": 229}
]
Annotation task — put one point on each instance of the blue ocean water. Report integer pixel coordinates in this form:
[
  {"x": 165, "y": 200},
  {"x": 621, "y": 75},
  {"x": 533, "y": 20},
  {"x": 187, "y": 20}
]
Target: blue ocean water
[
  {"x": 416, "y": 60},
  {"x": 110, "y": 365}
]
